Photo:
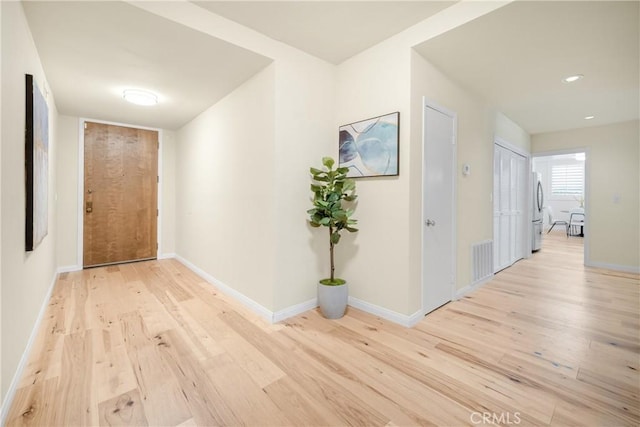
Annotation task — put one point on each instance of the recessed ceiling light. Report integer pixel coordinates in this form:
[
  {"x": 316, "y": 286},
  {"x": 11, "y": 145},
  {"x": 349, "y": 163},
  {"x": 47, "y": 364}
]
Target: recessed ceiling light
[
  {"x": 573, "y": 78},
  {"x": 589, "y": 117},
  {"x": 140, "y": 97}
]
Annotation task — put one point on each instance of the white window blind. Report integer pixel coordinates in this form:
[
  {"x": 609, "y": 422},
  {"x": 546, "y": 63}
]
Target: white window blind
[{"x": 567, "y": 179}]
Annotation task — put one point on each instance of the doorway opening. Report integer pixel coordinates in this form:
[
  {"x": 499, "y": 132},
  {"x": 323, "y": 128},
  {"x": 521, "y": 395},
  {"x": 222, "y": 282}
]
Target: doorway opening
[{"x": 565, "y": 209}]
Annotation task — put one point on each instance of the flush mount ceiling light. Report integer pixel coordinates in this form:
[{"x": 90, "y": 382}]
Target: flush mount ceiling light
[
  {"x": 140, "y": 97},
  {"x": 573, "y": 78},
  {"x": 589, "y": 117}
]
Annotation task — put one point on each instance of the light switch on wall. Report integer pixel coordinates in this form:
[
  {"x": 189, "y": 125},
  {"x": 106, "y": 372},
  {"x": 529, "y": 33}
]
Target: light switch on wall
[{"x": 616, "y": 198}]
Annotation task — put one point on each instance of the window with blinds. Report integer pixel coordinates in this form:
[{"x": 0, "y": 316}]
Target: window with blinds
[{"x": 567, "y": 179}]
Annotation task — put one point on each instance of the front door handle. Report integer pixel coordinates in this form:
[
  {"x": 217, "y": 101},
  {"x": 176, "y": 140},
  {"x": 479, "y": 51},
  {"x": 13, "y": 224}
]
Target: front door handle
[
  {"x": 88, "y": 207},
  {"x": 430, "y": 222}
]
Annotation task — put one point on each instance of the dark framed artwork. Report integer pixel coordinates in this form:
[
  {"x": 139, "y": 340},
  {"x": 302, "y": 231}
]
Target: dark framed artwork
[
  {"x": 370, "y": 147},
  {"x": 36, "y": 165}
]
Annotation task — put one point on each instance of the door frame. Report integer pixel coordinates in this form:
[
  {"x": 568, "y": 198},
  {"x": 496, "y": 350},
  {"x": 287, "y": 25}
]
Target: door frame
[
  {"x": 586, "y": 259},
  {"x": 80, "y": 244},
  {"x": 428, "y": 103},
  {"x": 528, "y": 231}
]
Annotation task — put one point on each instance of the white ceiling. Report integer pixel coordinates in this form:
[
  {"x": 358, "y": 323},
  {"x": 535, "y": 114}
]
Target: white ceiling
[
  {"x": 92, "y": 51},
  {"x": 514, "y": 57},
  {"x": 517, "y": 56},
  {"x": 331, "y": 30}
]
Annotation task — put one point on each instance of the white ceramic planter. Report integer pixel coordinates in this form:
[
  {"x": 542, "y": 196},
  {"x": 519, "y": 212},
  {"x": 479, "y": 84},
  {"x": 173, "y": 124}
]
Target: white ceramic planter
[{"x": 333, "y": 300}]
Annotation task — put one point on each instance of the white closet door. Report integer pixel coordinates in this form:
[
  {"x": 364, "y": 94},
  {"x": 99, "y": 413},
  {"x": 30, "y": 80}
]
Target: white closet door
[
  {"x": 521, "y": 207},
  {"x": 509, "y": 202},
  {"x": 496, "y": 207},
  {"x": 513, "y": 207},
  {"x": 505, "y": 208}
]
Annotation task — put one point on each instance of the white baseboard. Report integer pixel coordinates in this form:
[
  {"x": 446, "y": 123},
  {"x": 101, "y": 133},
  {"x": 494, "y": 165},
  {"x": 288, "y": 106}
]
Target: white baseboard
[
  {"x": 376, "y": 310},
  {"x": 167, "y": 256},
  {"x": 226, "y": 289},
  {"x": 17, "y": 376},
  {"x": 615, "y": 267},
  {"x": 69, "y": 269},
  {"x": 294, "y": 310},
  {"x": 460, "y": 293},
  {"x": 463, "y": 291}
]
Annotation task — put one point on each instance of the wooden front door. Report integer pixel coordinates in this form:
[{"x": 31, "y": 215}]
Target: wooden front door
[{"x": 120, "y": 194}]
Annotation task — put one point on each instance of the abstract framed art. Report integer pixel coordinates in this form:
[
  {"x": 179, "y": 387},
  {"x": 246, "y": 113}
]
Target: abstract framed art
[
  {"x": 36, "y": 165},
  {"x": 370, "y": 147}
]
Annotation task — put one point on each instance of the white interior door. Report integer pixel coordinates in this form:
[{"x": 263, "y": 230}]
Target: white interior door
[{"x": 438, "y": 262}]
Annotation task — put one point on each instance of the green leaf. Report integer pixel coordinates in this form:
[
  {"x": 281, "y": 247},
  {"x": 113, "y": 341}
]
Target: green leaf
[
  {"x": 329, "y": 188},
  {"x": 339, "y": 214},
  {"x": 351, "y": 229},
  {"x": 349, "y": 184}
]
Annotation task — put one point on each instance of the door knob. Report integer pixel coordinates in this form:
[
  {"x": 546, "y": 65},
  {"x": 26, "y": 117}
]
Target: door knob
[
  {"x": 89, "y": 207},
  {"x": 430, "y": 222}
]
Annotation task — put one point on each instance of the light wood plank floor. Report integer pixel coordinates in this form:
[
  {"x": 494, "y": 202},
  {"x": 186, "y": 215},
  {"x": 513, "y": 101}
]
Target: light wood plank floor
[{"x": 547, "y": 342}]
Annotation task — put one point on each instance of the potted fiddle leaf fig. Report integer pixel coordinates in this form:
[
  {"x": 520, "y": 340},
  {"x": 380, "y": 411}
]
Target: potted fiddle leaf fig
[{"x": 331, "y": 189}]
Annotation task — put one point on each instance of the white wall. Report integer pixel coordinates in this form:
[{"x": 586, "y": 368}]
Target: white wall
[
  {"x": 167, "y": 237},
  {"x": 243, "y": 183},
  {"x": 304, "y": 133},
  {"x": 509, "y": 131},
  {"x": 225, "y": 192},
  {"x": 613, "y": 189},
  {"x": 475, "y": 147},
  {"x": 67, "y": 190},
  {"x": 26, "y": 277},
  {"x": 375, "y": 261}
]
